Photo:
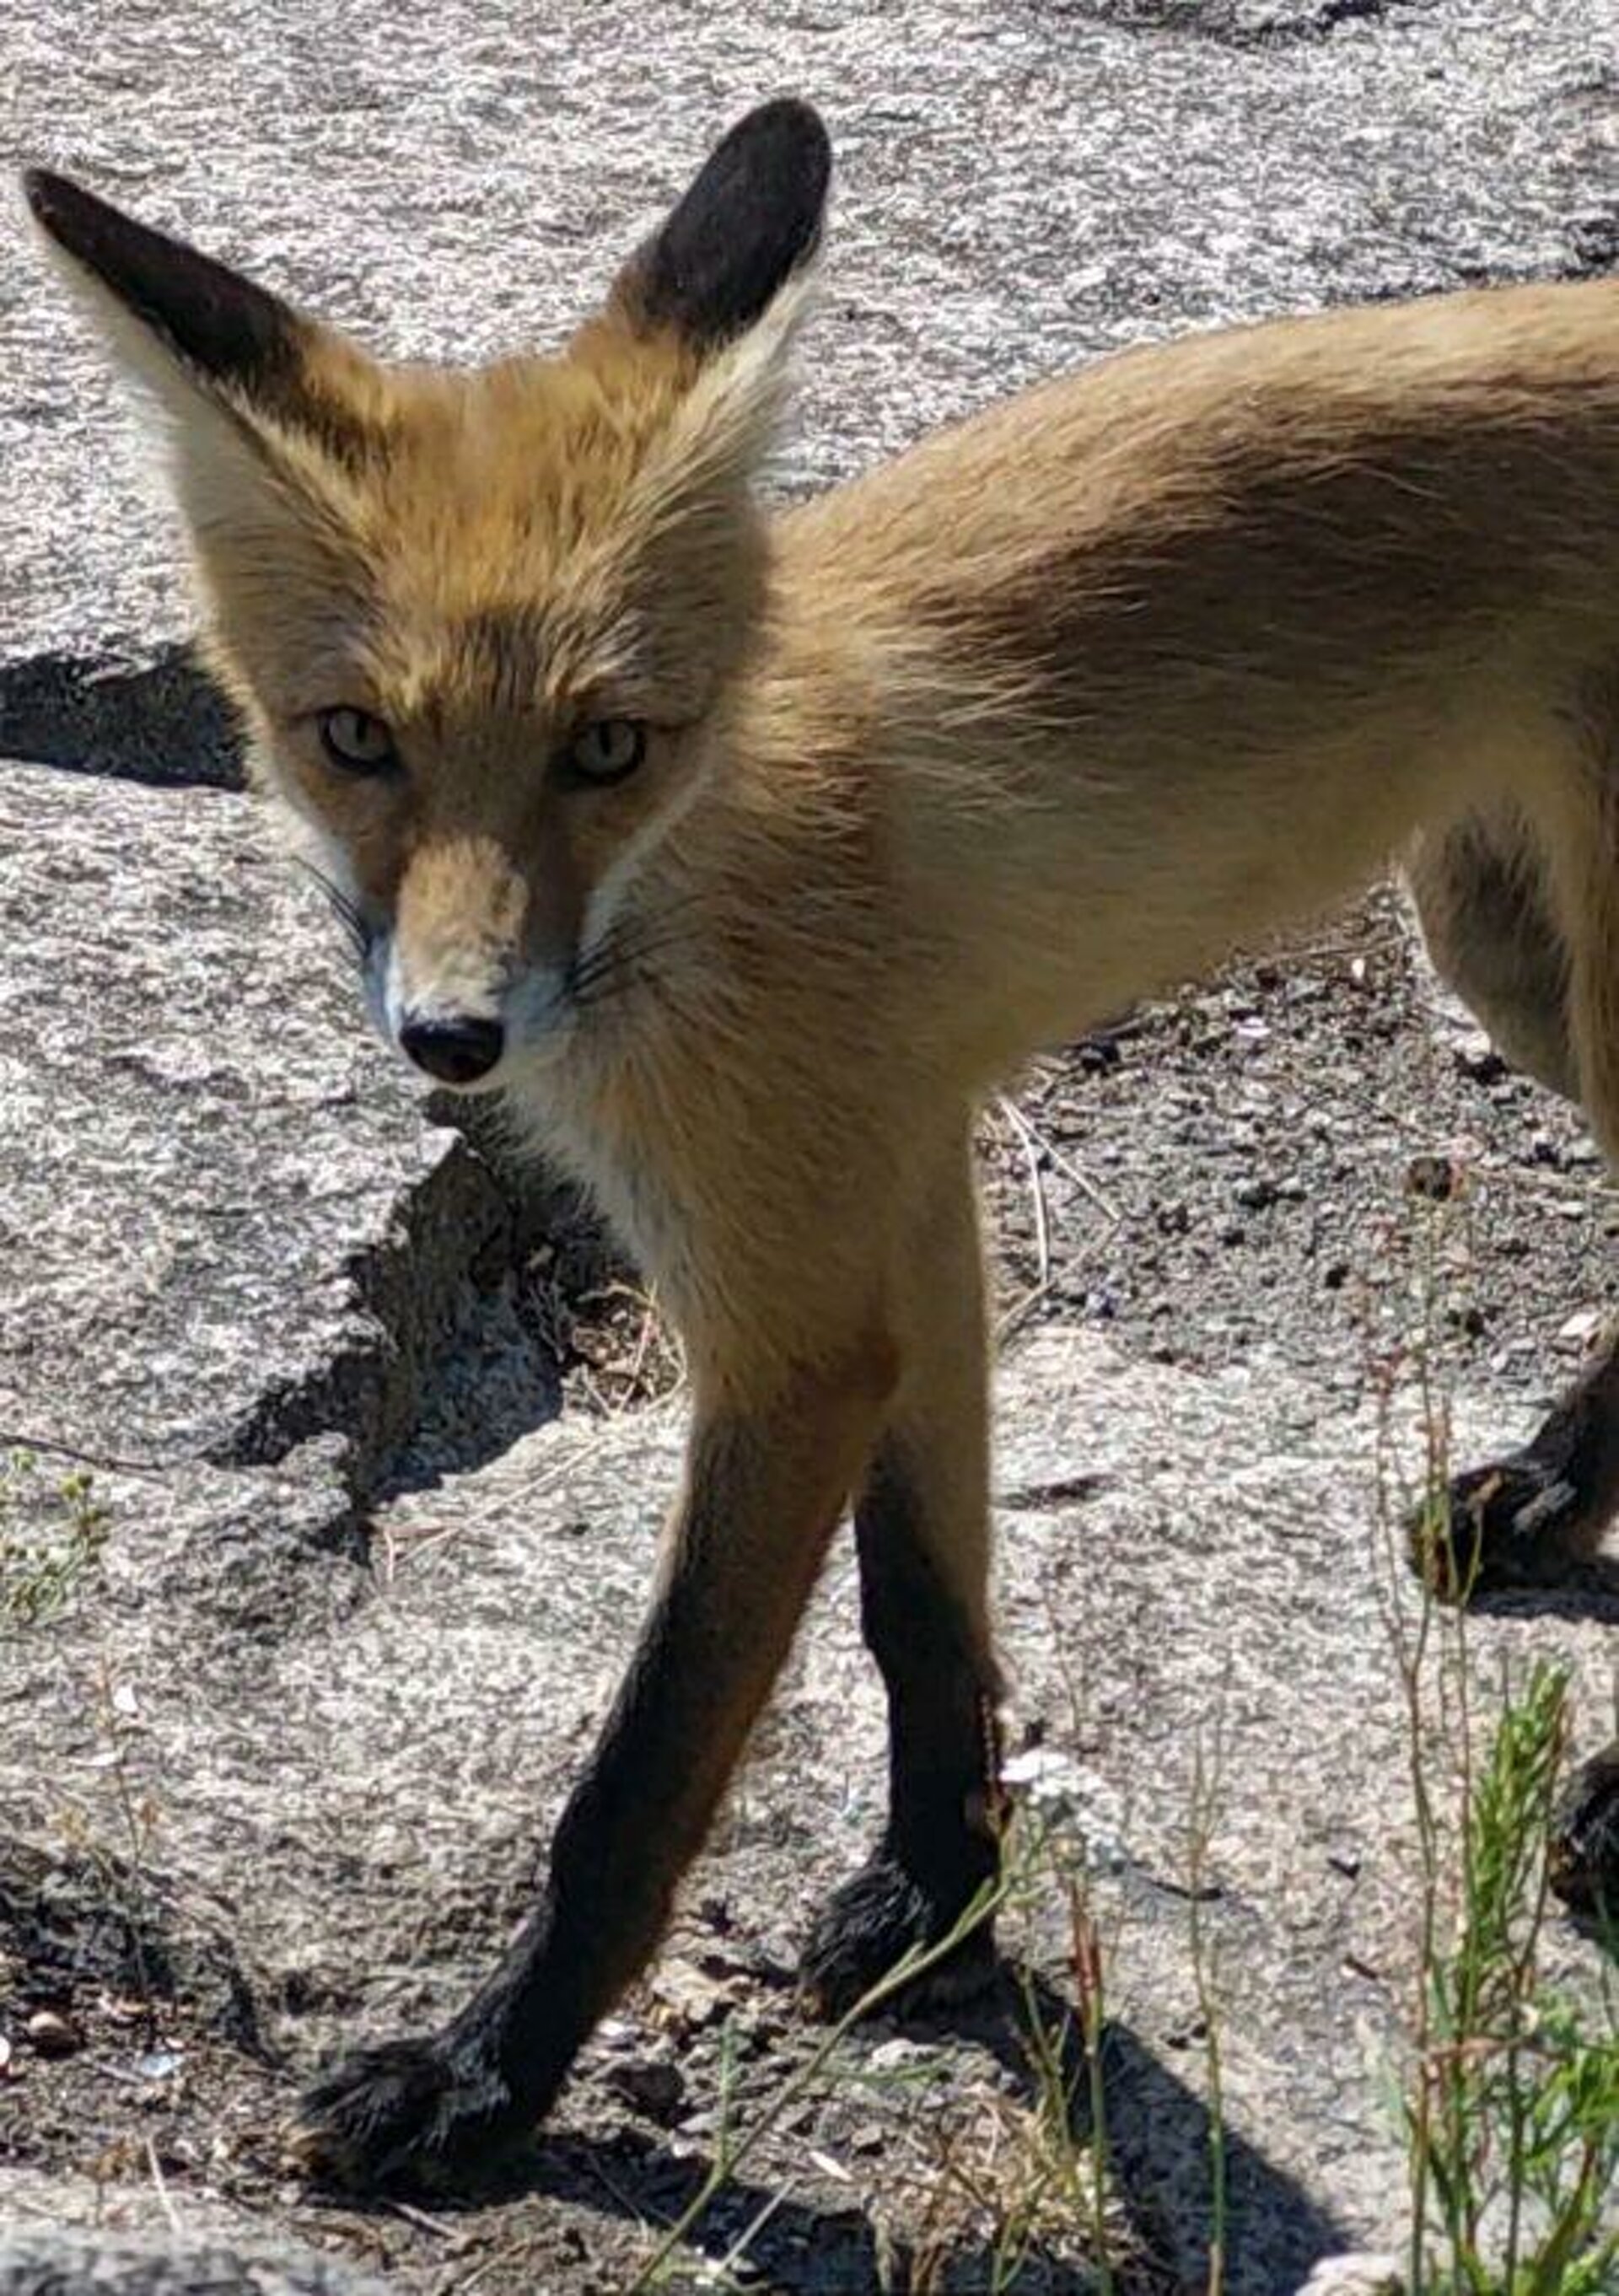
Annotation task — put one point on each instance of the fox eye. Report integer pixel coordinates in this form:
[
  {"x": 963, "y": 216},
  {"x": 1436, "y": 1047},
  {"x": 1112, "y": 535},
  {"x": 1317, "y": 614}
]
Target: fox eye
[
  {"x": 357, "y": 742},
  {"x": 607, "y": 750}
]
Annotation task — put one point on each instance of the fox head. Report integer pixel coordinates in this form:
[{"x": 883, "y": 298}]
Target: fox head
[{"x": 478, "y": 623}]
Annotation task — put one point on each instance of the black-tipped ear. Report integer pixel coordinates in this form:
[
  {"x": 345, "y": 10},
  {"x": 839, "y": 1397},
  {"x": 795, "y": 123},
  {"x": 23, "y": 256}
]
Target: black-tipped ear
[
  {"x": 752, "y": 218},
  {"x": 216, "y": 323}
]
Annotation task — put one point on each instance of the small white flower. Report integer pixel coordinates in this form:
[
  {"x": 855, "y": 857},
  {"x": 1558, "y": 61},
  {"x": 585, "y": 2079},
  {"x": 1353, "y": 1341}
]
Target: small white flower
[{"x": 1070, "y": 1801}]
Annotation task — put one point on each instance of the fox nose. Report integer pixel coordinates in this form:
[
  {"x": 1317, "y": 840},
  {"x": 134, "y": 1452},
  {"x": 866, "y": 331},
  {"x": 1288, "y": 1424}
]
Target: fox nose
[{"x": 457, "y": 1049}]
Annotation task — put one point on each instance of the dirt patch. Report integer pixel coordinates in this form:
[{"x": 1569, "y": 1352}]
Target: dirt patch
[{"x": 1239, "y": 1166}]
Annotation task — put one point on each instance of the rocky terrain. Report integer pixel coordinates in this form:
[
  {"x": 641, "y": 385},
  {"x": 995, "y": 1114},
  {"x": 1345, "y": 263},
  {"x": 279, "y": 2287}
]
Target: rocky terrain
[{"x": 379, "y": 1434}]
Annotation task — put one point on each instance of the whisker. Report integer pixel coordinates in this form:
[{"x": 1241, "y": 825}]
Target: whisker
[
  {"x": 627, "y": 948},
  {"x": 612, "y": 967},
  {"x": 347, "y": 912},
  {"x": 633, "y": 944}
]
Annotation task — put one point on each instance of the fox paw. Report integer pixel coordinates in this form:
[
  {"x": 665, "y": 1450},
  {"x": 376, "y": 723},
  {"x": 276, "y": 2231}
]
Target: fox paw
[
  {"x": 1496, "y": 1527},
  {"x": 1583, "y": 1852},
  {"x": 422, "y": 2114},
  {"x": 869, "y": 1925}
]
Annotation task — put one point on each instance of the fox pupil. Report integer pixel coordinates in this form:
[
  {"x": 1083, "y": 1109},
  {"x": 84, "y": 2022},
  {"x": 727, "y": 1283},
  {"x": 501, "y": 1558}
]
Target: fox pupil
[
  {"x": 608, "y": 751},
  {"x": 356, "y": 742}
]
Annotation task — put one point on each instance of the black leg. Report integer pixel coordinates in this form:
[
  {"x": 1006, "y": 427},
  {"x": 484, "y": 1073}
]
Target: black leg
[
  {"x": 1582, "y": 1856},
  {"x": 1507, "y": 1524},
  {"x": 1500, "y": 1525},
  {"x": 762, "y": 1496},
  {"x": 942, "y": 1841}
]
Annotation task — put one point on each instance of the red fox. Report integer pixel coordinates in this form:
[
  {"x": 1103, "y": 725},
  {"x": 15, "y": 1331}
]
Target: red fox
[{"x": 744, "y": 853}]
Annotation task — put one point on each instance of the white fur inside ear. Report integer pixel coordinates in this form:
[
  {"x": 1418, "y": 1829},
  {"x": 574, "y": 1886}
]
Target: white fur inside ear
[
  {"x": 724, "y": 427},
  {"x": 197, "y": 428},
  {"x": 224, "y": 455}
]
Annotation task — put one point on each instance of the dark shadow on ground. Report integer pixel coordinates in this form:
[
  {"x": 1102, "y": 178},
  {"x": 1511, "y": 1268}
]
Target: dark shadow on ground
[
  {"x": 480, "y": 1401},
  {"x": 162, "y": 721},
  {"x": 1158, "y": 2147},
  {"x": 791, "y": 2247},
  {"x": 501, "y": 1373},
  {"x": 1588, "y": 1589},
  {"x": 1157, "y": 2136}
]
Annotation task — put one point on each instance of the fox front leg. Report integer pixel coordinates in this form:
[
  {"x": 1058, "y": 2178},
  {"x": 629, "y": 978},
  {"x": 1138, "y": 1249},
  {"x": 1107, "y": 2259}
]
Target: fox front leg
[
  {"x": 922, "y": 1526},
  {"x": 765, "y": 1486}
]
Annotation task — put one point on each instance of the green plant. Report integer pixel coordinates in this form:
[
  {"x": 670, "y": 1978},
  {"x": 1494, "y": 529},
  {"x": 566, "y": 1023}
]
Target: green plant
[
  {"x": 1026, "y": 2173},
  {"x": 1514, "y": 2117},
  {"x": 52, "y": 1537},
  {"x": 1064, "y": 2166},
  {"x": 1511, "y": 2112}
]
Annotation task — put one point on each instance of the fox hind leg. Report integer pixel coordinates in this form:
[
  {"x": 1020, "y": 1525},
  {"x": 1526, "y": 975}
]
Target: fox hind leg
[
  {"x": 1492, "y": 901},
  {"x": 1528, "y": 933},
  {"x": 1498, "y": 1525},
  {"x": 1481, "y": 891}
]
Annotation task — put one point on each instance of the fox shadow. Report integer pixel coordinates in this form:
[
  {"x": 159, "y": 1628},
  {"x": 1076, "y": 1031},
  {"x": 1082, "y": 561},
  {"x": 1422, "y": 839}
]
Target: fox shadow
[
  {"x": 1160, "y": 2182},
  {"x": 1567, "y": 1589}
]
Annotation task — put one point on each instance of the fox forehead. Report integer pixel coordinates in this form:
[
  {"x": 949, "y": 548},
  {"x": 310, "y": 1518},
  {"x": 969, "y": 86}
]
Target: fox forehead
[
  {"x": 485, "y": 540},
  {"x": 525, "y": 466}
]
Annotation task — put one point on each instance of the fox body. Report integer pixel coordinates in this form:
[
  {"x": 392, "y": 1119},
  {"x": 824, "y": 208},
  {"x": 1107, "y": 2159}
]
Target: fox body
[{"x": 743, "y": 854}]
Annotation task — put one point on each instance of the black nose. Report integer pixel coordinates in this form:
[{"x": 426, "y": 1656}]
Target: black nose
[{"x": 458, "y": 1050}]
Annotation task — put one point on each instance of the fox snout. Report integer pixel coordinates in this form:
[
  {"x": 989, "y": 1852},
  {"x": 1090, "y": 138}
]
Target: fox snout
[{"x": 473, "y": 970}]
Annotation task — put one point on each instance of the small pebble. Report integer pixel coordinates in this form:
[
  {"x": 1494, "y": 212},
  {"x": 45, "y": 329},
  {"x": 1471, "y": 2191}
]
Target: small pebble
[
  {"x": 52, "y": 2036},
  {"x": 651, "y": 2085},
  {"x": 1362, "y": 2274},
  {"x": 899, "y": 2056},
  {"x": 1476, "y": 1057},
  {"x": 1434, "y": 1177}
]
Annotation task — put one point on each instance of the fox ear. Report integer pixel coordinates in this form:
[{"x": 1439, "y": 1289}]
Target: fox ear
[
  {"x": 219, "y": 327},
  {"x": 197, "y": 334},
  {"x": 750, "y": 221}
]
